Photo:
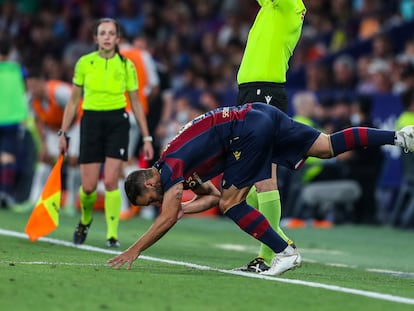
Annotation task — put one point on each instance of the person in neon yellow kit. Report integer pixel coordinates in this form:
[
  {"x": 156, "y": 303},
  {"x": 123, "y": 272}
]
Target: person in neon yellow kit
[
  {"x": 13, "y": 112},
  {"x": 104, "y": 76},
  {"x": 261, "y": 78}
]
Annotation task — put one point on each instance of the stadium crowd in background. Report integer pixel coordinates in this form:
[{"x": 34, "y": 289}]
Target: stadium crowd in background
[{"x": 347, "y": 46}]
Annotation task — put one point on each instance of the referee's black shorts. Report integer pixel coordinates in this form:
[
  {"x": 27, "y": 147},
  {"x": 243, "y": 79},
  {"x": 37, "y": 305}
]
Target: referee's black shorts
[
  {"x": 265, "y": 92},
  {"x": 104, "y": 134}
]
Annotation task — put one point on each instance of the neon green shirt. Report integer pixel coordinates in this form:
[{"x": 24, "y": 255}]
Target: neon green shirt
[
  {"x": 13, "y": 104},
  {"x": 104, "y": 81},
  {"x": 405, "y": 118},
  {"x": 272, "y": 39}
]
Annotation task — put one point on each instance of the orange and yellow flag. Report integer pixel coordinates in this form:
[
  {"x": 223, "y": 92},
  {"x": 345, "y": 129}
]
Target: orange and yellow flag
[{"x": 45, "y": 216}]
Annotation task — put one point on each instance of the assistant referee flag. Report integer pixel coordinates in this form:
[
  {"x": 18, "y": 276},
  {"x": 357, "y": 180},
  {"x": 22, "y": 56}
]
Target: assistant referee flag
[{"x": 45, "y": 216}]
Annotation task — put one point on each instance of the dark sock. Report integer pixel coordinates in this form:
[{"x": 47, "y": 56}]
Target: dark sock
[
  {"x": 255, "y": 224},
  {"x": 360, "y": 137}
]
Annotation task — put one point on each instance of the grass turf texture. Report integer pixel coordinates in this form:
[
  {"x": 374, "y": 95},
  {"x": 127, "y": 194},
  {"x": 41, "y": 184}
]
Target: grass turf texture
[{"x": 75, "y": 279}]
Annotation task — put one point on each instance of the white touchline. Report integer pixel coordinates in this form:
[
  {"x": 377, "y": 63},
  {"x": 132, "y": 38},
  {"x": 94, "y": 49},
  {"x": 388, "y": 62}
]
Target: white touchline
[
  {"x": 359, "y": 292},
  {"x": 253, "y": 250}
]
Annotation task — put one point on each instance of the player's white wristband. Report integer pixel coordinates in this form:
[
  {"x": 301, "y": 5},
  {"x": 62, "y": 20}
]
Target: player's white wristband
[{"x": 147, "y": 138}]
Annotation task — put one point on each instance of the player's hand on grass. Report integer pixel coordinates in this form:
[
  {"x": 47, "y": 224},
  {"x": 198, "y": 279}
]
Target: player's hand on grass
[{"x": 127, "y": 257}]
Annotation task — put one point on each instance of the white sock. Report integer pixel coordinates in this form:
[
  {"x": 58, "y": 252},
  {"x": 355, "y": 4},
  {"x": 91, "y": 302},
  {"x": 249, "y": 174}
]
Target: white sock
[{"x": 40, "y": 177}]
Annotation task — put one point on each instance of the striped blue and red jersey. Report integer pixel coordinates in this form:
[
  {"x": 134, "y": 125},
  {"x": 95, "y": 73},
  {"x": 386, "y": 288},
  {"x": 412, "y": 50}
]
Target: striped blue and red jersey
[{"x": 198, "y": 152}]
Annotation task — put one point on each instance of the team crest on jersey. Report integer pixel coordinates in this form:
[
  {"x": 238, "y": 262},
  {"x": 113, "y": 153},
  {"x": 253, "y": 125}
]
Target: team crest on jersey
[{"x": 237, "y": 155}]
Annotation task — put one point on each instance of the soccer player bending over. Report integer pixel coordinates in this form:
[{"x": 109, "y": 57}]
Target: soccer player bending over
[{"x": 242, "y": 143}]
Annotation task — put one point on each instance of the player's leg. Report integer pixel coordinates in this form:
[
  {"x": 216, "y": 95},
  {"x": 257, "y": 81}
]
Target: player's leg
[
  {"x": 251, "y": 221},
  {"x": 327, "y": 146},
  {"x": 265, "y": 197}
]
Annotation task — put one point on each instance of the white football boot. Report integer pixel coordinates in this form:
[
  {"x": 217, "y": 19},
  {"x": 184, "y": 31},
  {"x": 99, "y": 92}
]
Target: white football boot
[
  {"x": 405, "y": 138},
  {"x": 288, "y": 259}
]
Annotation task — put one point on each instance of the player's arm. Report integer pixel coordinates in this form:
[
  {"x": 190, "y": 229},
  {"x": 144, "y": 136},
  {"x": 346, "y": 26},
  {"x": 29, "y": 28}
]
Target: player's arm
[
  {"x": 165, "y": 220},
  {"x": 207, "y": 196}
]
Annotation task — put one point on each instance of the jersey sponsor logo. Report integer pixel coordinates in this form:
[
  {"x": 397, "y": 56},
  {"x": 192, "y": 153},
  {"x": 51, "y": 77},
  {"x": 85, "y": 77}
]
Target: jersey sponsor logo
[
  {"x": 237, "y": 155},
  {"x": 268, "y": 98},
  {"x": 225, "y": 113}
]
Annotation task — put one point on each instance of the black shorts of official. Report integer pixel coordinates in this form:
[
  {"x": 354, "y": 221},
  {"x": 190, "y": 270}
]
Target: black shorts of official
[
  {"x": 104, "y": 134},
  {"x": 264, "y": 92}
]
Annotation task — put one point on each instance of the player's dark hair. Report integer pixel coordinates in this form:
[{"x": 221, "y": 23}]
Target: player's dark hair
[
  {"x": 134, "y": 184},
  {"x": 117, "y": 29}
]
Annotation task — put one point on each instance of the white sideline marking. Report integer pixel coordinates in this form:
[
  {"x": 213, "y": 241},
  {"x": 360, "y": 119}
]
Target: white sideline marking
[
  {"x": 253, "y": 250},
  {"x": 335, "y": 288},
  {"x": 52, "y": 263},
  {"x": 392, "y": 272}
]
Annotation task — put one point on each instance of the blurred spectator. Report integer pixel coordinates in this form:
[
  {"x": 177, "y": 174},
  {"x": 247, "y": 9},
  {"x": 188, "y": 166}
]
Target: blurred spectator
[
  {"x": 305, "y": 105},
  {"x": 13, "y": 112},
  {"x": 406, "y": 80},
  {"x": 370, "y": 20},
  {"x": 209, "y": 101},
  {"x": 130, "y": 17},
  {"x": 318, "y": 77},
  {"x": 382, "y": 48},
  {"x": 182, "y": 113},
  {"x": 48, "y": 99},
  {"x": 234, "y": 28},
  {"x": 9, "y": 19},
  {"x": 405, "y": 193},
  {"x": 407, "y": 9},
  {"x": 365, "y": 165},
  {"x": 365, "y": 84},
  {"x": 339, "y": 114},
  {"x": 80, "y": 45},
  {"x": 344, "y": 73},
  {"x": 345, "y": 24},
  {"x": 380, "y": 72}
]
